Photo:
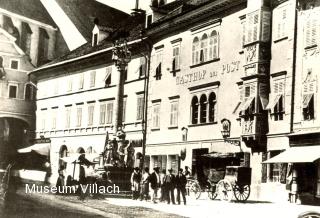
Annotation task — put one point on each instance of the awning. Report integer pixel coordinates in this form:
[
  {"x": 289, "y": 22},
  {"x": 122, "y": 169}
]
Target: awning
[
  {"x": 306, "y": 100},
  {"x": 237, "y": 108},
  {"x": 274, "y": 101},
  {"x": 247, "y": 103},
  {"x": 301, "y": 154},
  {"x": 41, "y": 148},
  {"x": 264, "y": 102}
]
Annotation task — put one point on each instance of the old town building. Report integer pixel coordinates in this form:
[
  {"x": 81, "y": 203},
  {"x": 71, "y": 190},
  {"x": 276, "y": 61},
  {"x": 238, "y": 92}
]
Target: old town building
[
  {"x": 76, "y": 99},
  {"x": 28, "y": 39}
]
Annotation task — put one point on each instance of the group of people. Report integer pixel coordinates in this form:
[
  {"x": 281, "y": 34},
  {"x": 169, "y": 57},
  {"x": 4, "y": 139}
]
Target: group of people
[{"x": 159, "y": 185}]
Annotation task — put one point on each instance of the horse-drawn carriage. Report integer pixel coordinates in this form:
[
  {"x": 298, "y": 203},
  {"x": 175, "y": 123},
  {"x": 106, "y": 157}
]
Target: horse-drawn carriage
[{"x": 224, "y": 182}]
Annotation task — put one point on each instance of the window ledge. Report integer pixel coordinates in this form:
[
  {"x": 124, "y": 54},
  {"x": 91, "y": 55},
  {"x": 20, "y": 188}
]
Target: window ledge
[
  {"x": 175, "y": 71},
  {"x": 202, "y": 124},
  {"x": 173, "y": 127},
  {"x": 155, "y": 129},
  {"x": 206, "y": 62},
  {"x": 311, "y": 46},
  {"x": 280, "y": 39}
]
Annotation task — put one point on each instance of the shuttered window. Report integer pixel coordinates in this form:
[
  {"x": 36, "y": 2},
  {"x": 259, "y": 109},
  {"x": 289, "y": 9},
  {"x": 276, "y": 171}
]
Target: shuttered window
[
  {"x": 252, "y": 27},
  {"x": 281, "y": 23},
  {"x": 311, "y": 31}
]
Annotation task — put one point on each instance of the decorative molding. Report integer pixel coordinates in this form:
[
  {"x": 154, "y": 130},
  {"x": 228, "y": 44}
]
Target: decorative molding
[
  {"x": 211, "y": 22},
  {"x": 216, "y": 83},
  {"x": 174, "y": 97},
  {"x": 176, "y": 40},
  {"x": 156, "y": 100},
  {"x": 281, "y": 73},
  {"x": 159, "y": 47}
]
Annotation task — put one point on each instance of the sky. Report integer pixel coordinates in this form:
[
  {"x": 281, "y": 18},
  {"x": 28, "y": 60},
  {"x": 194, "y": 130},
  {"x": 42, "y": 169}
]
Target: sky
[{"x": 126, "y": 5}]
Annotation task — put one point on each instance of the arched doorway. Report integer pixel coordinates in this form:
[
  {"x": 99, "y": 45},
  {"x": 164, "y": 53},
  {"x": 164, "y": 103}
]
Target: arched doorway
[{"x": 63, "y": 152}]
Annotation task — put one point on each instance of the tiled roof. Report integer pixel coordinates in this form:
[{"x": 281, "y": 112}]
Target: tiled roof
[
  {"x": 32, "y": 9},
  {"x": 83, "y": 13},
  {"x": 133, "y": 24}
]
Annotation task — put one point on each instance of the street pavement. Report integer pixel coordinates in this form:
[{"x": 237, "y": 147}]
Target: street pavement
[{"x": 49, "y": 205}]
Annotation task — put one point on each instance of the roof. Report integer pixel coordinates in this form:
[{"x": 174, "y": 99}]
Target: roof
[
  {"x": 84, "y": 12},
  {"x": 134, "y": 25},
  {"x": 32, "y": 9}
]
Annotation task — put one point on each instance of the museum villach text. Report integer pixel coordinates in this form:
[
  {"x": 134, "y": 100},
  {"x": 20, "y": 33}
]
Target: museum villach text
[{"x": 88, "y": 188}]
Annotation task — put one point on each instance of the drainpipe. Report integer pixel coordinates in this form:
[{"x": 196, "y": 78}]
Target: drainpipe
[{"x": 294, "y": 63}]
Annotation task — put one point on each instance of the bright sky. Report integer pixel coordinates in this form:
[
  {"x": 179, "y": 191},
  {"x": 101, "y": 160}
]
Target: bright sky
[{"x": 126, "y": 5}]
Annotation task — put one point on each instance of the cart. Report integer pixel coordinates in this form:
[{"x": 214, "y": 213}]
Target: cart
[{"x": 236, "y": 183}]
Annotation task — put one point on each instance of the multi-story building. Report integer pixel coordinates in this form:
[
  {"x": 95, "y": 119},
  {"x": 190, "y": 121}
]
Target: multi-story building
[
  {"x": 76, "y": 105},
  {"x": 28, "y": 37},
  {"x": 214, "y": 56}
]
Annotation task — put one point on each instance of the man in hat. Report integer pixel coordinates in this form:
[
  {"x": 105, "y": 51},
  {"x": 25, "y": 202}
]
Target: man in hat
[
  {"x": 170, "y": 185},
  {"x": 181, "y": 182},
  {"x": 145, "y": 184},
  {"x": 135, "y": 183},
  {"x": 154, "y": 184}
]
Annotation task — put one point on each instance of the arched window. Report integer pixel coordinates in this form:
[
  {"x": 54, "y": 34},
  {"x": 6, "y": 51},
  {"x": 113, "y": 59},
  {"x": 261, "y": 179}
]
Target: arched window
[
  {"x": 63, "y": 153},
  {"x": 194, "y": 110},
  {"x": 214, "y": 45},
  {"x": 204, "y": 48},
  {"x": 195, "y": 51},
  {"x": 203, "y": 108},
  {"x": 212, "y": 106}
]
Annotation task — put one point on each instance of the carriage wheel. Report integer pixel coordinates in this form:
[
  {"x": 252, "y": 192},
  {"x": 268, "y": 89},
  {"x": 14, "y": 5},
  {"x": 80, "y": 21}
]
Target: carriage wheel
[
  {"x": 212, "y": 192},
  {"x": 241, "y": 193},
  {"x": 195, "y": 189},
  {"x": 224, "y": 190}
]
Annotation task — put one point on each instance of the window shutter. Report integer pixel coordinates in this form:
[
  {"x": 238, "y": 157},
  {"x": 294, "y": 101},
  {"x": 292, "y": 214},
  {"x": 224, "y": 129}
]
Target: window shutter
[
  {"x": 313, "y": 40},
  {"x": 255, "y": 27},
  {"x": 284, "y": 16},
  {"x": 276, "y": 87},
  {"x": 308, "y": 33}
]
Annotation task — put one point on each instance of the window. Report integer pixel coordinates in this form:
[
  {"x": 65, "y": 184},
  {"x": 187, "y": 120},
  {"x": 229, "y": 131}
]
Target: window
[
  {"x": 142, "y": 68},
  {"x": 277, "y": 105},
  {"x": 308, "y": 99},
  {"x": 252, "y": 27},
  {"x": 90, "y": 114},
  {"x": 204, "y": 48},
  {"x": 243, "y": 26},
  {"x": 308, "y": 107},
  {"x": 310, "y": 31},
  {"x": 212, "y": 107},
  {"x": 102, "y": 114},
  {"x": 26, "y": 33},
  {"x": 109, "y": 112},
  {"x": 79, "y": 116},
  {"x": 81, "y": 80},
  {"x": 14, "y": 64},
  {"x": 149, "y": 20},
  {"x": 68, "y": 117},
  {"x": 69, "y": 84},
  {"x": 280, "y": 23},
  {"x": 43, "y": 46},
  {"x": 176, "y": 59},
  {"x": 194, "y": 110},
  {"x": 274, "y": 169},
  {"x": 95, "y": 39},
  {"x": 174, "y": 107},
  {"x": 158, "y": 66},
  {"x": 13, "y": 91},
  {"x": 28, "y": 92},
  {"x": 156, "y": 116},
  {"x": 54, "y": 118},
  {"x": 195, "y": 51},
  {"x": 107, "y": 78},
  {"x": 203, "y": 108},
  {"x": 92, "y": 78},
  {"x": 213, "y": 45},
  {"x": 140, "y": 105},
  {"x": 43, "y": 116}
]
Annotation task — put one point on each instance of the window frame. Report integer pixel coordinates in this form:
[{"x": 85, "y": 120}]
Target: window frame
[
  {"x": 140, "y": 107},
  {"x": 79, "y": 115},
  {"x": 68, "y": 116},
  {"x": 16, "y": 92},
  {"x": 15, "y": 60},
  {"x": 31, "y": 92},
  {"x": 156, "y": 112},
  {"x": 174, "y": 113},
  {"x": 90, "y": 109},
  {"x": 92, "y": 81},
  {"x": 109, "y": 112}
]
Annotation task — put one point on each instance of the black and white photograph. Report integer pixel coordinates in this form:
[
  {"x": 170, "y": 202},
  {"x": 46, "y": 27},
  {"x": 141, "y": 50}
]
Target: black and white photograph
[{"x": 160, "y": 108}]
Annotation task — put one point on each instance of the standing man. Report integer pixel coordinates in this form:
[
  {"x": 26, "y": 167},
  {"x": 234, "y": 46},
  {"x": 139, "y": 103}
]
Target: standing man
[
  {"x": 154, "y": 184},
  {"x": 163, "y": 196},
  {"x": 135, "y": 183},
  {"x": 181, "y": 182},
  {"x": 145, "y": 184},
  {"x": 170, "y": 185}
]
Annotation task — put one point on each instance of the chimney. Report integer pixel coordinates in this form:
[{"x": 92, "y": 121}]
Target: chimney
[{"x": 137, "y": 5}]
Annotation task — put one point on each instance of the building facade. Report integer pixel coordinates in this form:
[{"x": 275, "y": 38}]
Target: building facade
[
  {"x": 76, "y": 101},
  {"x": 28, "y": 39}
]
